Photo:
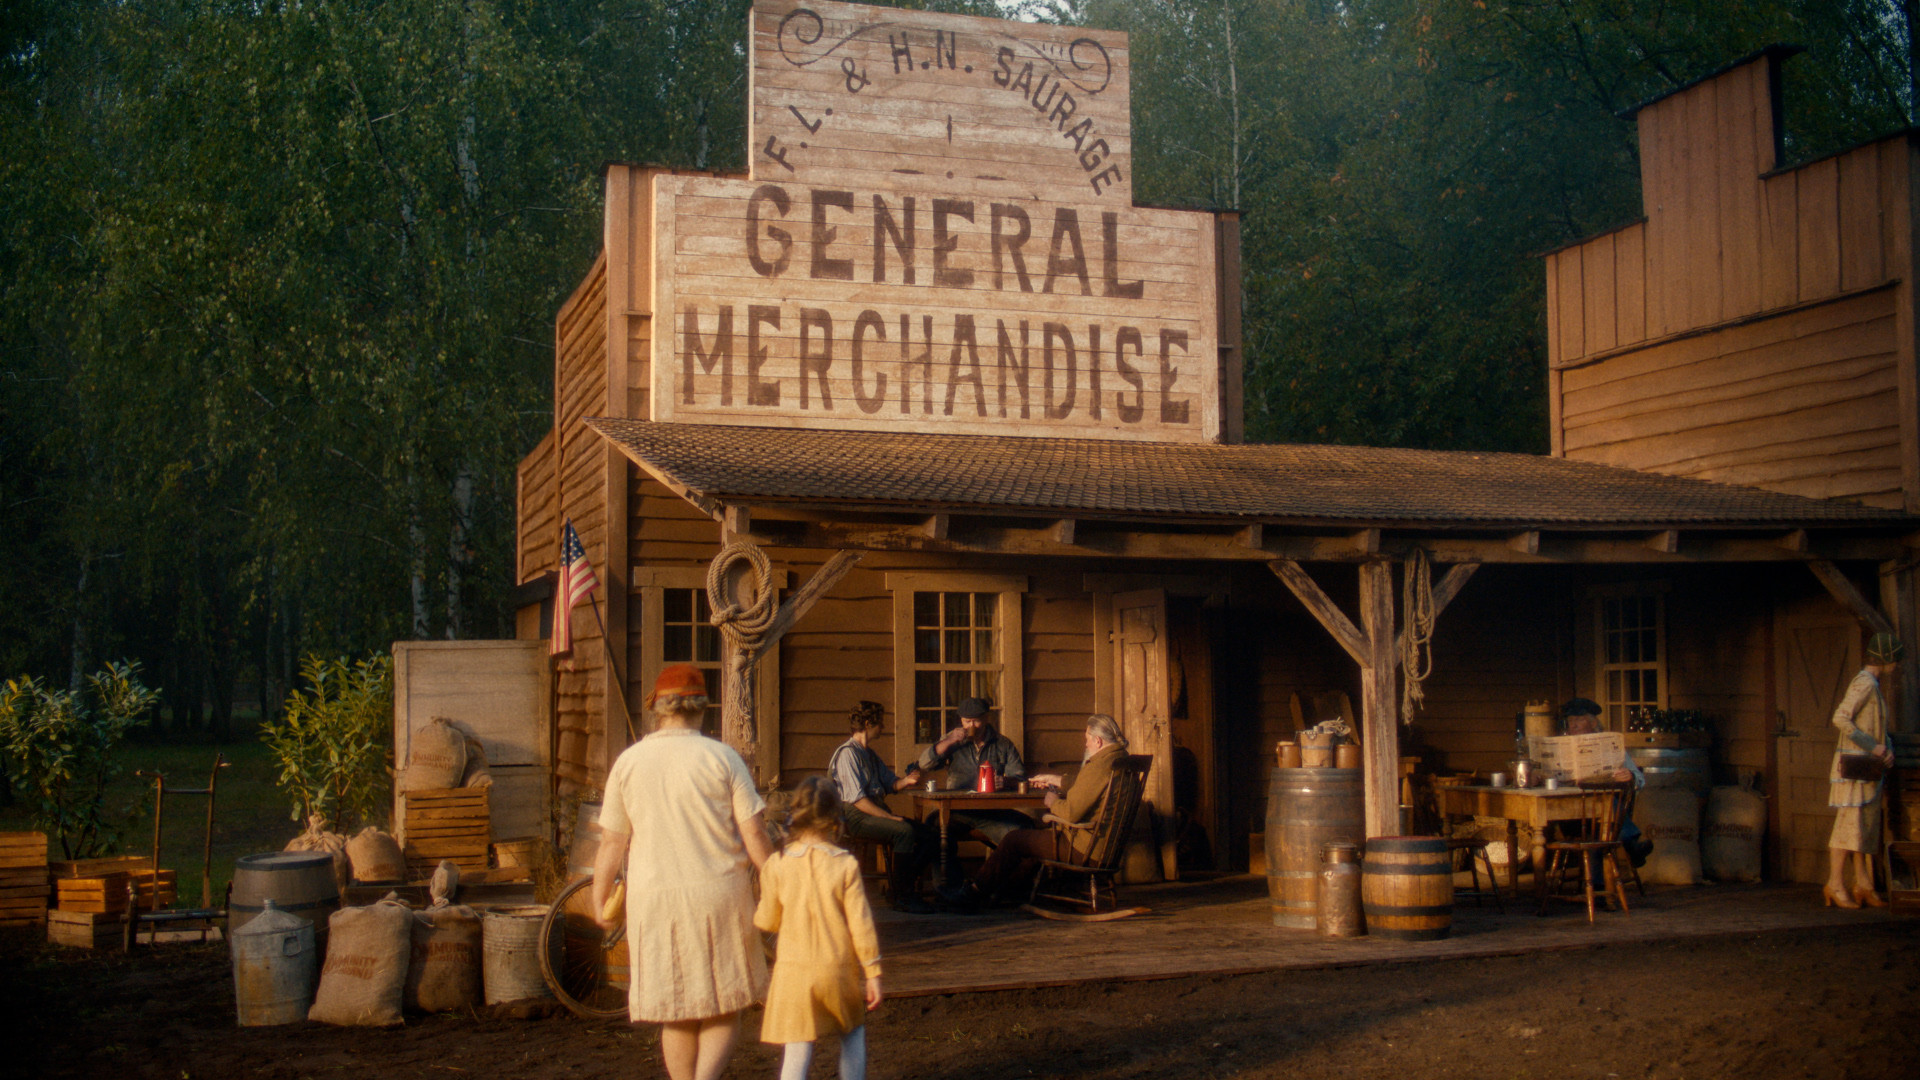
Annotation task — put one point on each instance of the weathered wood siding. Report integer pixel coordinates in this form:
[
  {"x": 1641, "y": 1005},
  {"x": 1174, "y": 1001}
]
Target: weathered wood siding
[
  {"x": 1756, "y": 327},
  {"x": 1500, "y": 644},
  {"x": 536, "y": 526},
  {"x": 580, "y": 390}
]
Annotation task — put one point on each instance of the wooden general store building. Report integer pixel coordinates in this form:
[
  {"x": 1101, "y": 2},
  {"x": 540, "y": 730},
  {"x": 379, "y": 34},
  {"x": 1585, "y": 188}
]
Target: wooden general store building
[{"x": 930, "y": 359}]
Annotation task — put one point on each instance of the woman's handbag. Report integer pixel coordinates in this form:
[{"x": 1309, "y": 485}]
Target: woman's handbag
[{"x": 1864, "y": 767}]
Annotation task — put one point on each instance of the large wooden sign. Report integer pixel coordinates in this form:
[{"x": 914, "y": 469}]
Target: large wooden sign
[{"x": 938, "y": 232}]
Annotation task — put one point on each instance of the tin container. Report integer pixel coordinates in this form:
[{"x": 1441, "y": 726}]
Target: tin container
[
  {"x": 1338, "y": 914},
  {"x": 1498, "y": 779}
]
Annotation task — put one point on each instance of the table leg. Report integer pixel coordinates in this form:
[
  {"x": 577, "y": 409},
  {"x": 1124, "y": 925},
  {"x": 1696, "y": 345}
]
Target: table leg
[
  {"x": 1540, "y": 863},
  {"x": 1513, "y": 858},
  {"x": 945, "y": 872}
]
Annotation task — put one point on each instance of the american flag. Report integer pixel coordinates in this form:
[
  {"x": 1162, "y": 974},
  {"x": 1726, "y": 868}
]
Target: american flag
[{"x": 576, "y": 582}]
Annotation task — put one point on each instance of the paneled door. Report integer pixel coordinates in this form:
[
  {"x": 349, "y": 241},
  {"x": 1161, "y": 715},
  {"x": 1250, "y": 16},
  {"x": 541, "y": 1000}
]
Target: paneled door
[
  {"x": 1144, "y": 709},
  {"x": 1818, "y": 655}
]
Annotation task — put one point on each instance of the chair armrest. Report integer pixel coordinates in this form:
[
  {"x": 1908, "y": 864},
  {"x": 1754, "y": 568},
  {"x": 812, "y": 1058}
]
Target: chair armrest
[{"x": 1065, "y": 824}]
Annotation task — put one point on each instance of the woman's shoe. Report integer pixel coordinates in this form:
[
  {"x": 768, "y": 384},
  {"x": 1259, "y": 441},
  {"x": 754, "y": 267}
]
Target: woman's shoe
[
  {"x": 1867, "y": 897},
  {"x": 1838, "y": 897}
]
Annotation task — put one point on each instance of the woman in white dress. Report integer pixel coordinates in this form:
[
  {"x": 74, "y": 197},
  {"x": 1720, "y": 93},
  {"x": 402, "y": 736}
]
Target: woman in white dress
[
  {"x": 690, "y": 802},
  {"x": 1862, "y": 720}
]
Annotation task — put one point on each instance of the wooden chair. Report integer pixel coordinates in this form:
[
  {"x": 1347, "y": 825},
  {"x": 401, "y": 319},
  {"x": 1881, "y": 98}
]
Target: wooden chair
[
  {"x": 1595, "y": 839},
  {"x": 1108, "y": 830},
  {"x": 1477, "y": 859}
]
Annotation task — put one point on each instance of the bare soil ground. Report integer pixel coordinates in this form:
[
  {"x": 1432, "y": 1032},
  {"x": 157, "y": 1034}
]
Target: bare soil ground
[{"x": 1832, "y": 1002}]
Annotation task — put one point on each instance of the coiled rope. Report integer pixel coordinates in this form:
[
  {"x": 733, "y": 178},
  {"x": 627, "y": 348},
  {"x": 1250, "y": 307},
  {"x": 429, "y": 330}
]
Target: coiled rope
[
  {"x": 743, "y": 627},
  {"x": 1416, "y": 642}
]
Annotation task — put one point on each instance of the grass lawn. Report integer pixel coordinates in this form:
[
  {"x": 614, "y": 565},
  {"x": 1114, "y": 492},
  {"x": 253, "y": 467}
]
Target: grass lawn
[{"x": 250, "y": 813}]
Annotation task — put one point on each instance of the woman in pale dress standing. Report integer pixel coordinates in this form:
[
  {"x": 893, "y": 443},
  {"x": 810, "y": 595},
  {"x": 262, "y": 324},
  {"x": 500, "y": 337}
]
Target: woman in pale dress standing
[
  {"x": 696, "y": 958},
  {"x": 1862, "y": 720}
]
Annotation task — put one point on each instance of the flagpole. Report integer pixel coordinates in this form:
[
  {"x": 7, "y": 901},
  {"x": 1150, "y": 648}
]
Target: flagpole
[{"x": 624, "y": 710}]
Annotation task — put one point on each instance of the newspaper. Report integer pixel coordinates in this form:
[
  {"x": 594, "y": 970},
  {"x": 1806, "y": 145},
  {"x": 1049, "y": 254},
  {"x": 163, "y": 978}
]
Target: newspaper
[{"x": 1578, "y": 757}]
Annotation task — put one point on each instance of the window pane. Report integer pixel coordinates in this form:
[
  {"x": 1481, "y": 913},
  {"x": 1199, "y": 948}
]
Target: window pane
[
  {"x": 709, "y": 639},
  {"x": 983, "y": 605},
  {"x": 1616, "y": 690},
  {"x": 1610, "y": 614},
  {"x": 1650, "y": 687},
  {"x": 927, "y": 726},
  {"x": 1613, "y": 648},
  {"x": 926, "y": 690},
  {"x": 702, "y": 609},
  {"x": 676, "y": 643},
  {"x": 926, "y": 609},
  {"x": 958, "y": 688},
  {"x": 986, "y": 684},
  {"x": 983, "y": 650},
  {"x": 957, "y": 647},
  {"x": 678, "y": 605},
  {"x": 957, "y": 614},
  {"x": 926, "y": 646},
  {"x": 1649, "y": 646}
]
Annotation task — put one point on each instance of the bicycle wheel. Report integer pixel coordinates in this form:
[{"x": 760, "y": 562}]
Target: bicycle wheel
[{"x": 584, "y": 965}]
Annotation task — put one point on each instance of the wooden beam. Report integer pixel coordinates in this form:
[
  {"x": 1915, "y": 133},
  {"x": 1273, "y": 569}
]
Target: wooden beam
[
  {"x": 1253, "y": 537},
  {"x": 1366, "y": 542},
  {"x": 1666, "y": 541},
  {"x": 790, "y": 611},
  {"x": 936, "y": 526},
  {"x": 1795, "y": 541},
  {"x": 1841, "y": 588},
  {"x": 737, "y": 521},
  {"x": 1525, "y": 543},
  {"x": 1323, "y": 609},
  {"x": 1379, "y": 703},
  {"x": 1896, "y": 599},
  {"x": 1063, "y": 532}
]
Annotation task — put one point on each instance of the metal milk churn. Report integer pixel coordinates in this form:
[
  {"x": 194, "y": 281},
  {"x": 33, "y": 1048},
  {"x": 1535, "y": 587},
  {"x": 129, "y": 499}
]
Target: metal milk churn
[
  {"x": 275, "y": 967},
  {"x": 1338, "y": 914}
]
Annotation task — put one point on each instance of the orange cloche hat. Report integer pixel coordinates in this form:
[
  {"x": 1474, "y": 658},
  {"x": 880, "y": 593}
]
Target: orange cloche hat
[{"x": 678, "y": 679}]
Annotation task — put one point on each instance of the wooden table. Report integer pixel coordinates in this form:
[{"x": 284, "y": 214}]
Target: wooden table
[
  {"x": 1535, "y": 806},
  {"x": 944, "y": 802}
]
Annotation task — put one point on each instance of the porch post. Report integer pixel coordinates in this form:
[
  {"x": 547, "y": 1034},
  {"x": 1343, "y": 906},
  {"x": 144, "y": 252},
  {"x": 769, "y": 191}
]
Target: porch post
[{"x": 1379, "y": 703}]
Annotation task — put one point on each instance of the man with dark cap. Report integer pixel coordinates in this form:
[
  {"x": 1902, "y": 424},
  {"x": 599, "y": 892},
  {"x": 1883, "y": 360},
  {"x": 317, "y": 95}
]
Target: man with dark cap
[
  {"x": 961, "y": 751},
  {"x": 1582, "y": 717}
]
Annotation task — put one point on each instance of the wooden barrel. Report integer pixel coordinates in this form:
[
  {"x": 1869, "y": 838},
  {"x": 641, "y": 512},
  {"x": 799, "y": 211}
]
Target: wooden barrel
[
  {"x": 1406, "y": 888},
  {"x": 1306, "y": 809},
  {"x": 298, "y": 882}
]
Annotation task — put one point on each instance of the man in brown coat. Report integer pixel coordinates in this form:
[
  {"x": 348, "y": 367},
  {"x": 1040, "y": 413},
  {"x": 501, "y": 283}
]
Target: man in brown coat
[{"x": 1106, "y": 753}]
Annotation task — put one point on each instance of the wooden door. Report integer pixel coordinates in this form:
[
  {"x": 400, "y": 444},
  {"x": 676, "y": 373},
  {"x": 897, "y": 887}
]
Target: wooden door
[
  {"x": 1817, "y": 656},
  {"x": 1143, "y": 707}
]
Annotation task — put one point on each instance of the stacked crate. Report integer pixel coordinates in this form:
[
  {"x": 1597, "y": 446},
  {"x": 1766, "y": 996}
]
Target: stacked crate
[
  {"x": 23, "y": 878},
  {"x": 106, "y": 894},
  {"x": 453, "y": 823}
]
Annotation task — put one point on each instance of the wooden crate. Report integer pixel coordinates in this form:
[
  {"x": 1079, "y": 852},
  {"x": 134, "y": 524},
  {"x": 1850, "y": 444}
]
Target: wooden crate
[
  {"x": 1667, "y": 740},
  {"x": 117, "y": 864},
  {"x": 85, "y": 930},
  {"x": 107, "y": 893},
  {"x": 23, "y": 850},
  {"x": 453, "y": 824}
]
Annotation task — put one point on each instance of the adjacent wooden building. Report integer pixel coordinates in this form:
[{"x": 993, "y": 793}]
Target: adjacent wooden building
[{"x": 981, "y": 414}]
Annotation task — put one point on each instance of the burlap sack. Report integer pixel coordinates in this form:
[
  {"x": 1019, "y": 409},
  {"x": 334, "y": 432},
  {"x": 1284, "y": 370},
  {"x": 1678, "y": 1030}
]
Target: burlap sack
[
  {"x": 444, "y": 974},
  {"x": 317, "y": 838},
  {"x": 1670, "y": 817},
  {"x": 436, "y": 757},
  {"x": 366, "y": 969},
  {"x": 478, "y": 774},
  {"x": 1735, "y": 829},
  {"x": 375, "y": 858}
]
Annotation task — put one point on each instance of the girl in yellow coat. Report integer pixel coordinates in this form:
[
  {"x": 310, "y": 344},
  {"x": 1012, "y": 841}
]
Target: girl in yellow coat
[{"x": 826, "y": 976}]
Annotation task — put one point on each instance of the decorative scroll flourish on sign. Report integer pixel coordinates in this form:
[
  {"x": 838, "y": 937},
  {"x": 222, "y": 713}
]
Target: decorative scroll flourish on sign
[{"x": 1091, "y": 67}]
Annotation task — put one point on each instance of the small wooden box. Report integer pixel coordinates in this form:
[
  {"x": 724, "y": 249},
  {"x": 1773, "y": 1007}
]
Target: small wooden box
[
  {"x": 117, "y": 864},
  {"x": 85, "y": 929},
  {"x": 453, "y": 824},
  {"x": 107, "y": 893}
]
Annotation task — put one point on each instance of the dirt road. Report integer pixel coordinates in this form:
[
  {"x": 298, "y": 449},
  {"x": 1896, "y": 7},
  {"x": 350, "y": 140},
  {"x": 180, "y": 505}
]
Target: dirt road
[{"x": 1817, "y": 1003}]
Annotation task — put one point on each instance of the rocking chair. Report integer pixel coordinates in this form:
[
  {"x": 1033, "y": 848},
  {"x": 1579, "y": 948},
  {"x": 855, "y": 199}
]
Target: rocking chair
[{"x": 1108, "y": 830}]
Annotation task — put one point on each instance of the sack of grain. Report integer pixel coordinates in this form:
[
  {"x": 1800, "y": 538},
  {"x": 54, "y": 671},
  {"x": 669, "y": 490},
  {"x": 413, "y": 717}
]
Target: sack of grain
[
  {"x": 477, "y": 774},
  {"x": 1670, "y": 818},
  {"x": 1735, "y": 828},
  {"x": 436, "y": 757},
  {"x": 366, "y": 970},
  {"x": 375, "y": 857},
  {"x": 444, "y": 974},
  {"x": 318, "y": 838}
]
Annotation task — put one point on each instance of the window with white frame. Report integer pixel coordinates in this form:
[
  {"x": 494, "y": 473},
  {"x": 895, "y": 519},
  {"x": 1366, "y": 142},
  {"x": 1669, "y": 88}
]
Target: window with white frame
[
  {"x": 1630, "y": 634},
  {"x": 956, "y": 636}
]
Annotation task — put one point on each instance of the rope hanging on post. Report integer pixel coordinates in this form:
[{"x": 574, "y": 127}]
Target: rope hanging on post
[
  {"x": 1416, "y": 641},
  {"x": 744, "y": 629}
]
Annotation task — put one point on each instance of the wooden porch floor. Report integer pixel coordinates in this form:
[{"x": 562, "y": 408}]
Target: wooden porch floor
[{"x": 1223, "y": 927}]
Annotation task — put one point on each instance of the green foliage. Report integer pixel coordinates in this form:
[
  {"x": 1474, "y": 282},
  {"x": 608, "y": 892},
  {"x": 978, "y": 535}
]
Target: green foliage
[
  {"x": 332, "y": 740},
  {"x": 61, "y": 745}
]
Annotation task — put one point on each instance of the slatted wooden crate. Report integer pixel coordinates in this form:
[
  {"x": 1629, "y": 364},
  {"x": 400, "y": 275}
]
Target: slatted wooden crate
[
  {"x": 105, "y": 894},
  {"x": 115, "y": 864},
  {"x": 94, "y": 930},
  {"x": 454, "y": 824},
  {"x": 23, "y": 878}
]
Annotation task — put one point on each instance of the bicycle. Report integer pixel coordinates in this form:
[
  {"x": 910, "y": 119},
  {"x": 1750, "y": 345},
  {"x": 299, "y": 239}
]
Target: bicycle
[{"x": 583, "y": 963}]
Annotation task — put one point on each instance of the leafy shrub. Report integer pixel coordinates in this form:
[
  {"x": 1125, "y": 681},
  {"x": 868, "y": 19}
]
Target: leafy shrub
[
  {"x": 60, "y": 746},
  {"x": 332, "y": 743}
]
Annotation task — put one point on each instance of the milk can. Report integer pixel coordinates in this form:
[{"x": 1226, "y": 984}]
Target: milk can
[
  {"x": 1339, "y": 908},
  {"x": 274, "y": 964}
]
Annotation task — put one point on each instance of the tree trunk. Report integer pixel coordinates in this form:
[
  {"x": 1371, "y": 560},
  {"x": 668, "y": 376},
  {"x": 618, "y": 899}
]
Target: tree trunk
[{"x": 457, "y": 553}]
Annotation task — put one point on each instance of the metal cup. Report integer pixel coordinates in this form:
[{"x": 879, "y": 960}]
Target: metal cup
[
  {"x": 1553, "y": 783},
  {"x": 1498, "y": 779},
  {"x": 933, "y": 785}
]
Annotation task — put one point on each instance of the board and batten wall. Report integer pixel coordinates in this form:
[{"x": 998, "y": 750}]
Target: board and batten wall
[{"x": 1756, "y": 327}]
